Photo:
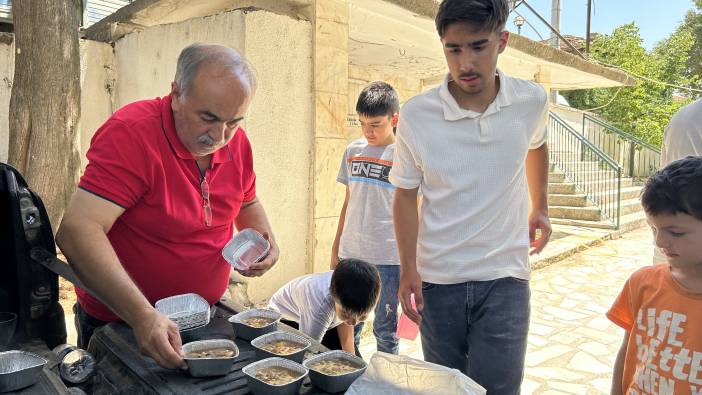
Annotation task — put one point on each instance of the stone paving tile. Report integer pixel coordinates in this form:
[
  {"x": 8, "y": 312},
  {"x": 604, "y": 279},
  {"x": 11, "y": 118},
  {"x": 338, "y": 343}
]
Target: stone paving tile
[
  {"x": 572, "y": 346},
  {"x": 585, "y": 362},
  {"x": 537, "y": 355}
]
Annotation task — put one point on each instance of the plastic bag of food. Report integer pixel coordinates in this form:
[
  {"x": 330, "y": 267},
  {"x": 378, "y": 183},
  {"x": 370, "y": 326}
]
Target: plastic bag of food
[{"x": 389, "y": 374}]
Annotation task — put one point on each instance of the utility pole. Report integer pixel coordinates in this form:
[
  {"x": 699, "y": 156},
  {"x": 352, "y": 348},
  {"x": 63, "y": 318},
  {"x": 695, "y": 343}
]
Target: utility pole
[
  {"x": 556, "y": 24},
  {"x": 587, "y": 29},
  {"x": 555, "y": 21}
]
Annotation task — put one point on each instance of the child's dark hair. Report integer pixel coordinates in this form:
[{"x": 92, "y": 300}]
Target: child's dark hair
[
  {"x": 378, "y": 98},
  {"x": 485, "y": 15},
  {"x": 677, "y": 188},
  {"x": 355, "y": 285}
]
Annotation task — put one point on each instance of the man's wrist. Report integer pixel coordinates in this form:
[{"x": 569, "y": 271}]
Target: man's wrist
[{"x": 141, "y": 315}]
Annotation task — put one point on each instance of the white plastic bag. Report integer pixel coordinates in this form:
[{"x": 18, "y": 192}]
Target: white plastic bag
[{"x": 389, "y": 374}]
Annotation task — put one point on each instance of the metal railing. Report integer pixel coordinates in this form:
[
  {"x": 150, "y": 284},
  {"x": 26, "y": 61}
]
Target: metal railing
[
  {"x": 637, "y": 157},
  {"x": 592, "y": 171}
]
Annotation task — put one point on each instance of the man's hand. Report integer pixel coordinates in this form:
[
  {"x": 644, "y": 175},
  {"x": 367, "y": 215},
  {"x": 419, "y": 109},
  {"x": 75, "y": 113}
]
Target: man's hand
[
  {"x": 538, "y": 220},
  {"x": 411, "y": 283},
  {"x": 260, "y": 268},
  {"x": 158, "y": 338}
]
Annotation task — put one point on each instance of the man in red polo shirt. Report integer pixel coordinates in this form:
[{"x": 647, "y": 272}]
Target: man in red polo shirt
[{"x": 167, "y": 182}]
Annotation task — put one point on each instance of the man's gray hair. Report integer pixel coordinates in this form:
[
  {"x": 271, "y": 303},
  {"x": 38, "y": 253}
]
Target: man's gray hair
[{"x": 197, "y": 54}]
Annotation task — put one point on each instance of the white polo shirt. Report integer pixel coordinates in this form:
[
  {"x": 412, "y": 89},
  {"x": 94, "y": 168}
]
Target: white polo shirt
[
  {"x": 683, "y": 136},
  {"x": 471, "y": 169}
]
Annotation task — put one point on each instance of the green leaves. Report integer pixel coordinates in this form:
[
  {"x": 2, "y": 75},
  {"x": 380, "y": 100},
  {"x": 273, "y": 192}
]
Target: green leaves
[{"x": 645, "y": 108}]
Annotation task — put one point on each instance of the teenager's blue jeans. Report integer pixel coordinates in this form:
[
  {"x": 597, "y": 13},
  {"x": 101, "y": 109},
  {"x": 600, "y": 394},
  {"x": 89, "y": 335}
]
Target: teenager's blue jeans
[
  {"x": 385, "y": 321},
  {"x": 479, "y": 328}
]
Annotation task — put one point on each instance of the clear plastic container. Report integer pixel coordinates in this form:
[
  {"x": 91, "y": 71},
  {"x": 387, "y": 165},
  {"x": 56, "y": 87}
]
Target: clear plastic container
[{"x": 246, "y": 248}]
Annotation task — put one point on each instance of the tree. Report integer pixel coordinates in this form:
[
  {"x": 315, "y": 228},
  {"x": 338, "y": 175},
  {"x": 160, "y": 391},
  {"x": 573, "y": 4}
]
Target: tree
[
  {"x": 45, "y": 99},
  {"x": 645, "y": 108},
  {"x": 693, "y": 22}
]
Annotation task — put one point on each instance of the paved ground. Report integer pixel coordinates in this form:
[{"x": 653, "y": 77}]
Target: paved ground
[{"x": 572, "y": 345}]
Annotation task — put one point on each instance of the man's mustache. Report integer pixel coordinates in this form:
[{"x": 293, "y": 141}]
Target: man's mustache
[{"x": 205, "y": 139}]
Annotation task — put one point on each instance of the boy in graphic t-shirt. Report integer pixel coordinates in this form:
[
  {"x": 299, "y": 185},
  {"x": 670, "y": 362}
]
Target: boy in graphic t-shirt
[
  {"x": 365, "y": 229},
  {"x": 660, "y": 306}
]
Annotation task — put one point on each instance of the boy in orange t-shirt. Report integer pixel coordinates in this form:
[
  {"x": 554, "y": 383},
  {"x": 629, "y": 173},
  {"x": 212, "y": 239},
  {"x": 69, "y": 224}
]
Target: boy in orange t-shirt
[{"x": 660, "y": 306}]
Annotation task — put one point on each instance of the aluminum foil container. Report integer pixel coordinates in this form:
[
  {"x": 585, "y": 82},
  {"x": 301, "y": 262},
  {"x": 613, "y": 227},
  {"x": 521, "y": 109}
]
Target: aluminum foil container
[
  {"x": 297, "y": 356},
  {"x": 246, "y": 248},
  {"x": 259, "y": 387},
  {"x": 19, "y": 369},
  {"x": 336, "y": 383},
  {"x": 193, "y": 334},
  {"x": 205, "y": 367},
  {"x": 246, "y": 332},
  {"x": 187, "y": 310},
  {"x": 8, "y": 324}
]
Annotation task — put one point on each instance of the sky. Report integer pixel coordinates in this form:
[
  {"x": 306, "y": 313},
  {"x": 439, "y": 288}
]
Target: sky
[{"x": 656, "y": 19}]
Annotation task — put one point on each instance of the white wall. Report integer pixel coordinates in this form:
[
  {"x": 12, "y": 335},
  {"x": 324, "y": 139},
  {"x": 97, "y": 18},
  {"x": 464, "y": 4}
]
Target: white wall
[{"x": 97, "y": 89}]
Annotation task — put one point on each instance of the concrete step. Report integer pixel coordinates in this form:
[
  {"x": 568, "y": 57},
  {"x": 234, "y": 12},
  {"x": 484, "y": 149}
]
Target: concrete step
[
  {"x": 630, "y": 206},
  {"x": 632, "y": 221},
  {"x": 575, "y": 200},
  {"x": 600, "y": 186},
  {"x": 585, "y": 173},
  {"x": 580, "y": 199},
  {"x": 588, "y": 213},
  {"x": 561, "y": 188},
  {"x": 556, "y": 177},
  {"x": 603, "y": 184},
  {"x": 630, "y": 192},
  {"x": 626, "y": 222}
]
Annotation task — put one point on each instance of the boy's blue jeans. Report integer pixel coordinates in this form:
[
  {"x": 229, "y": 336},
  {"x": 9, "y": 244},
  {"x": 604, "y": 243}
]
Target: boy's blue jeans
[
  {"x": 385, "y": 321},
  {"x": 479, "y": 328}
]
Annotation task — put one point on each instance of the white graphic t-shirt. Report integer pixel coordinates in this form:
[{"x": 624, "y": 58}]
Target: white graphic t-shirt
[{"x": 368, "y": 233}]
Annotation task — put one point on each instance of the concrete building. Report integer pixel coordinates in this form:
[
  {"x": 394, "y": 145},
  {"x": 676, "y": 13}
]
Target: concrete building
[{"x": 312, "y": 57}]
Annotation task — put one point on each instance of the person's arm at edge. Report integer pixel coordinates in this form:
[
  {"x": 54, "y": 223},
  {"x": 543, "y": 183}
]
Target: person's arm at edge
[
  {"x": 617, "y": 375},
  {"x": 253, "y": 215},
  {"x": 537, "y": 179},
  {"x": 406, "y": 221},
  {"x": 82, "y": 237},
  {"x": 339, "y": 230},
  {"x": 345, "y": 333}
]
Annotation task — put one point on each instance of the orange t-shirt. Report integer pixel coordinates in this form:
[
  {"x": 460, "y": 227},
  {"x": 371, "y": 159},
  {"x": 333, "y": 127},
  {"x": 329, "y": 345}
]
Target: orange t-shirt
[{"x": 664, "y": 321}]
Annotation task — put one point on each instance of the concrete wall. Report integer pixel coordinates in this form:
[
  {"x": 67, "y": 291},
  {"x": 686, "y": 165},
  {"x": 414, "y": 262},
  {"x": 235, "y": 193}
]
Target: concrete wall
[
  {"x": 97, "y": 82},
  {"x": 145, "y": 62},
  {"x": 7, "y": 72},
  {"x": 360, "y": 77},
  {"x": 279, "y": 121},
  {"x": 280, "y": 126}
]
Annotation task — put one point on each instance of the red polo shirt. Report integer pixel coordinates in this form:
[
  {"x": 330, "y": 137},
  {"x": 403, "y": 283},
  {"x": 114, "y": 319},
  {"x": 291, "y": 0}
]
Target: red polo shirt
[{"x": 137, "y": 161}]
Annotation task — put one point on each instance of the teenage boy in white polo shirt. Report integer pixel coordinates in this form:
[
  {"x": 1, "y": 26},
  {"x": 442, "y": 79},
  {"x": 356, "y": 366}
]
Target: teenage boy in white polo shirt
[{"x": 477, "y": 147}]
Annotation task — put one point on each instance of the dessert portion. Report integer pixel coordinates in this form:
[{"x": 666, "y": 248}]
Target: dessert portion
[
  {"x": 211, "y": 353},
  {"x": 334, "y": 367},
  {"x": 276, "y": 375},
  {"x": 282, "y": 347},
  {"x": 258, "y": 322}
]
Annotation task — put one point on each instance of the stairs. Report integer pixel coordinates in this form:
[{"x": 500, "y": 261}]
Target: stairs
[
  {"x": 584, "y": 178},
  {"x": 569, "y": 206}
]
